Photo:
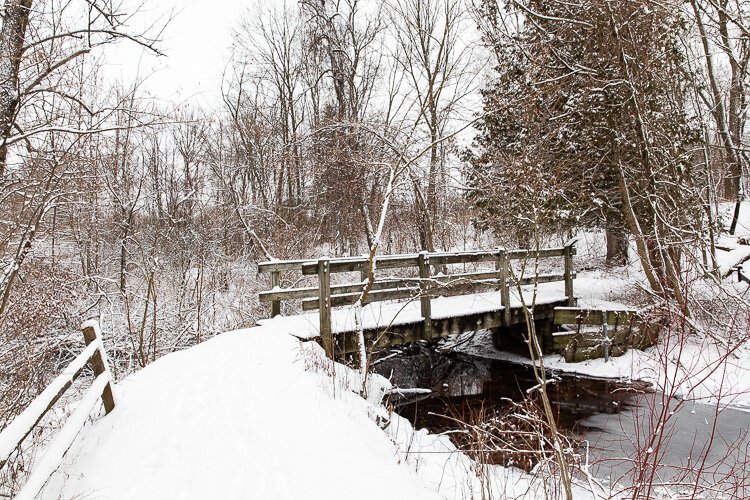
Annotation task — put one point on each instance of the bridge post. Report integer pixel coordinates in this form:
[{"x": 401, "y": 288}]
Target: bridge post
[
  {"x": 275, "y": 304},
  {"x": 568, "y": 255},
  {"x": 502, "y": 266},
  {"x": 324, "y": 303},
  {"x": 605, "y": 335},
  {"x": 424, "y": 298}
]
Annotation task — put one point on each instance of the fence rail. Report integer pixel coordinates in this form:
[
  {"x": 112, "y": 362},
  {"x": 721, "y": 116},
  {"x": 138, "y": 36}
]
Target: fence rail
[
  {"x": 13, "y": 436},
  {"x": 325, "y": 296}
]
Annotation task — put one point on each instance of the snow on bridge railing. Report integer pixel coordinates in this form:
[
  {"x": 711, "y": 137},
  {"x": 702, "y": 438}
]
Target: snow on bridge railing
[
  {"x": 325, "y": 296},
  {"x": 13, "y": 436}
]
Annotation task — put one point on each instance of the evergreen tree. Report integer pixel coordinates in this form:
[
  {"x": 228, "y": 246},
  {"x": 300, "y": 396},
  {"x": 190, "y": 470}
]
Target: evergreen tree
[{"x": 586, "y": 123}]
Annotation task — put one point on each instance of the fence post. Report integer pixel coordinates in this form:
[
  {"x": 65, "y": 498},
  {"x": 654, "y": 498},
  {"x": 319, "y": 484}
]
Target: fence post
[
  {"x": 424, "y": 298},
  {"x": 605, "y": 335},
  {"x": 569, "y": 272},
  {"x": 502, "y": 265},
  {"x": 275, "y": 304},
  {"x": 91, "y": 332},
  {"x": 324, "y": 298}
]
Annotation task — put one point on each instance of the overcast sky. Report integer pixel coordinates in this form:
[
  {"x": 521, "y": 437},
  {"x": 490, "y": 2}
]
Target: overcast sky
[{"x": 197, "y": 43}]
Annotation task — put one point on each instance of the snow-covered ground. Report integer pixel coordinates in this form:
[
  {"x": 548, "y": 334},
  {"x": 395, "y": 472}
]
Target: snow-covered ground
[{"x": 259, "y": 414}]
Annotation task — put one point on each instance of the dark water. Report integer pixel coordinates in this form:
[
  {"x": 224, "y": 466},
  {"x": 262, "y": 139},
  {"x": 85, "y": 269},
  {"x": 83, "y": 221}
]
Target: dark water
[
  {"x": 462, "y": 385},
  {"x": 611, "y": 422}
]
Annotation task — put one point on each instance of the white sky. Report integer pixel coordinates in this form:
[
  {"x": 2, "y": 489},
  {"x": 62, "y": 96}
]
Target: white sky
[{"x": 197, "y": 43}]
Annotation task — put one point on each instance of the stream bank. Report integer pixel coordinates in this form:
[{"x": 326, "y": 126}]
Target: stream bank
[{"x": 611, "y": 420}]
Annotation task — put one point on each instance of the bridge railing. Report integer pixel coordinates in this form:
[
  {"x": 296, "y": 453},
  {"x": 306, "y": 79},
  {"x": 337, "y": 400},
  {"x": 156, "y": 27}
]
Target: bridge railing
[
  {"x": 325, "y": 296},
  {"x": 13, "y": 436}
]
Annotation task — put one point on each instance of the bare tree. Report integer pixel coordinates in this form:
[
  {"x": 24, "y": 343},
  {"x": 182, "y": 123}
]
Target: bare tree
[
  {"x": 439, "y": 64},
  {"x": 724, "y": 34},
  {"x": 46, "y": 102}
]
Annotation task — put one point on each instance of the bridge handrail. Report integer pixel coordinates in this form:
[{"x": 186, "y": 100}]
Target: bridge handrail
[
  {"x": 396, "y": 261},
  {"x": 424, "y": 288},
  {"x": 453, "y": 284},
  {"x": 19, "y": 429},
  {"x": 326, "y": 296}
]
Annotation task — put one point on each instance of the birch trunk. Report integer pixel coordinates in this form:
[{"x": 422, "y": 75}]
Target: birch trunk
[{"x": 12, "y": 36}]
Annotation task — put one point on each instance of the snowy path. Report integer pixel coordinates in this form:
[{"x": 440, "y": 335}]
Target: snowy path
[
  {"x": 257, "y": 414},
  {"x": 238, "y": 416}
]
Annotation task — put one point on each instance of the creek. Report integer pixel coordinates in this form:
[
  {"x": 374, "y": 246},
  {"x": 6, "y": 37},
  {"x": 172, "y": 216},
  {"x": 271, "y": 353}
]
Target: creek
[{"x": 611, "y": 421}]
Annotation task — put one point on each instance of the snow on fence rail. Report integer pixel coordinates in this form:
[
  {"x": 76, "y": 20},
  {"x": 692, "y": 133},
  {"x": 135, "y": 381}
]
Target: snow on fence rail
[
  {"x": 18, "y": 430},
  {"x": 325, "y": 296}
]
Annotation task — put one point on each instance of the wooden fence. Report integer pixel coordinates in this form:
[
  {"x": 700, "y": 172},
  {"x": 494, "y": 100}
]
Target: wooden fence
[
  {"x": 326, "y": 296},
  {"x": 12, "y": 437}
]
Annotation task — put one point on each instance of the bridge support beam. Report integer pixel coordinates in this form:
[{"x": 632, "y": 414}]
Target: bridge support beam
[
  {"x": 275, "y": 304},
  {"x": 568, "y": 273},
  {"x": 324, "y": 298},
  {"x": 502, "y": 266},
  {"x": 424, "y": 298}
]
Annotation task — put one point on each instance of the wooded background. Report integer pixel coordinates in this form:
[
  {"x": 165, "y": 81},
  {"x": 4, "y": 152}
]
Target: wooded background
[{"x": 502, "y": 122}]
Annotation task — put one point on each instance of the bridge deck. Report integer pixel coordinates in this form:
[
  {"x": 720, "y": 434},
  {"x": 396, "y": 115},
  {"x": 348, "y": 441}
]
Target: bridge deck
[{"x": 389, "y": 323}]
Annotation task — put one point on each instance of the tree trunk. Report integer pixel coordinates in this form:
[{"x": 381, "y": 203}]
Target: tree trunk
[
  {"x": 729, "y": 127},
  {"x": 12, "y": 35},
  {"x": 735, "y": 215},
  {"x": 635, "y": 228},
  {"x": 617, "y": 247},
  {"x": 423, "y": 217},
  {"x": 735, "y": 112}
]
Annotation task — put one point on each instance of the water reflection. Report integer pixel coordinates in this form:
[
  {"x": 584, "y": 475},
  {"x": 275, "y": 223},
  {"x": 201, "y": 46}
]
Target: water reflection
[{"x": 463, "y": 385}]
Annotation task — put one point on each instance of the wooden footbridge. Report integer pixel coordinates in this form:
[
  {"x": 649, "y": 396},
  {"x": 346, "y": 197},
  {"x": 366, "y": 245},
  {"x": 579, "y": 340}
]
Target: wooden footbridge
[{"x": 455, "y": 292}]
